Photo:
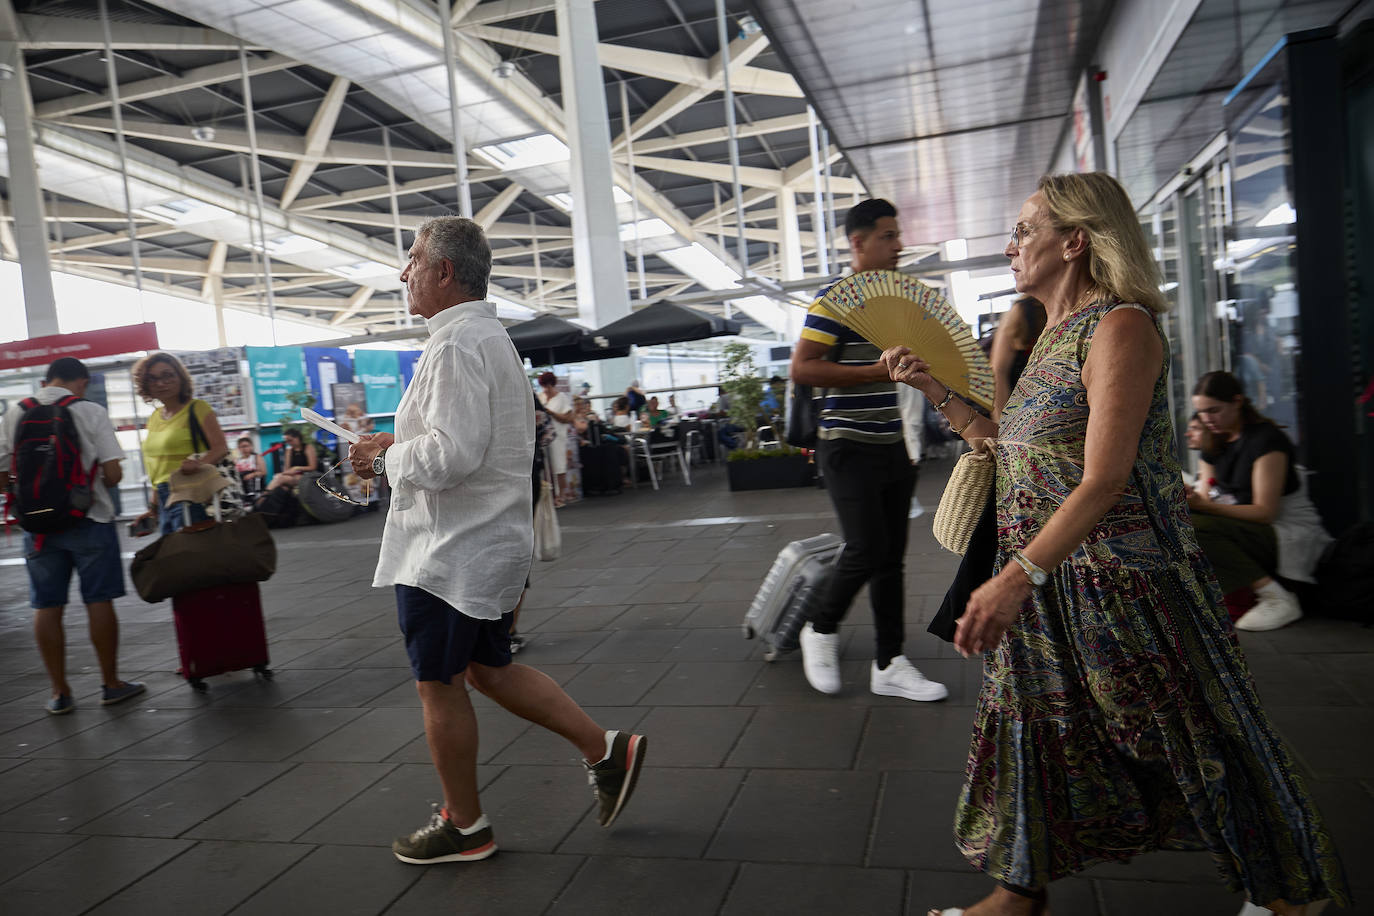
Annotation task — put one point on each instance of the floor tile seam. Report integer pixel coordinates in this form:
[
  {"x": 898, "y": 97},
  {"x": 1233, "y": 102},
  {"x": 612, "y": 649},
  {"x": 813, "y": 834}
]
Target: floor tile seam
[
  {"x": 341, "y": 802},
  {"x": 139, "y": 877},
  {"x": 265, "y": 882},
  {"x": 736, "y": 874},
  {"x": 729, "y": 805},
  {"x": 864, "y": 731},
  {"x": 739, "y": 737},
  {"x": 44, "y": 716},
  {"x": 563, "y": 889},
  {"x": 199, "y": 711},
  {"x": 872, "y": 839},
  {"x": 243, "y": 908},
  {"x": 63, "y": 785},
  {"x": 197, "y": 764}
]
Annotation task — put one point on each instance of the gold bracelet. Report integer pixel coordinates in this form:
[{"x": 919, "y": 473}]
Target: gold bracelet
[
  {"x": 949, "y": 396},
  {"x": 972, "y": 415}
]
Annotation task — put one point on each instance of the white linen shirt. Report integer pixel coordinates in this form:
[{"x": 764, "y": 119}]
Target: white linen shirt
[
  {"x": 460, "y": 524},
  {"x": 94, "y": 430}
]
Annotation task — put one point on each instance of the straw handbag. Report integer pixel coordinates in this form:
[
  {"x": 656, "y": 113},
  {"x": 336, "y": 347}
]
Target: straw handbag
[{"x": 965, "y": 496}]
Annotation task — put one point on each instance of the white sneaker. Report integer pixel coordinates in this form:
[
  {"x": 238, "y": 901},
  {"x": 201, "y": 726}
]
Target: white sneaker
[
  {"x": 901, "y": 679},
  {"x": 1275, "y": 608},
  {"x": 821, "y": 659}
]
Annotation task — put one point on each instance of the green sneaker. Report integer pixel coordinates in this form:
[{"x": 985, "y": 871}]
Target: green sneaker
[
  {"x": 613, "y": 779},
  {"x": 440, "y": 841}
]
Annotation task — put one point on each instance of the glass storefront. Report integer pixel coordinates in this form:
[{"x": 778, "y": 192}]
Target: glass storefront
[
  {"x": 1265, "y": 345},
  {"x": 1214, "y": 150}
]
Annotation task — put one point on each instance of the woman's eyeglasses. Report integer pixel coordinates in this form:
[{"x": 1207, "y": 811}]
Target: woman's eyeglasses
[
  {"x": 337, "y": 473},
  {"x": 1019, "y": 233}
]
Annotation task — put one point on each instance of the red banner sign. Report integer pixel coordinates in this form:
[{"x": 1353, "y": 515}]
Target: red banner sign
[{"x": 40, "y": 351}]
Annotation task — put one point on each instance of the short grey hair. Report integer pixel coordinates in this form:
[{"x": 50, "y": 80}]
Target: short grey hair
[{"x": 463, "y": 244}]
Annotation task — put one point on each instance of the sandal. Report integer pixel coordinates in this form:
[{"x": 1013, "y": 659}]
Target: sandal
[
  {"x": 1042, "y": 902},
  {"x": 1305, "y": 909}
]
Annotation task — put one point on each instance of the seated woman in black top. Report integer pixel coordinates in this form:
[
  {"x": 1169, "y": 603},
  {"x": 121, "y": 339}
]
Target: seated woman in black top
[
  {"x": 1252, "y": 517},
  {"x": 298, "y": 458}
]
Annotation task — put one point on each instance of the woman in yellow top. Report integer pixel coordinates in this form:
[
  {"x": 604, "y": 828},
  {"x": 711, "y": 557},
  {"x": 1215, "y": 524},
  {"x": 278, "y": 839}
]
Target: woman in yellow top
[{"x": 161, "y": 379}]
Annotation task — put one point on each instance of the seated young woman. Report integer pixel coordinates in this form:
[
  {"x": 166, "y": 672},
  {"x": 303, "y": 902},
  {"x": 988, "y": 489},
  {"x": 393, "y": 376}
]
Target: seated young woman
[
  {"x": 298, "y": 458},
  {"x": 1250, "y": 508}
]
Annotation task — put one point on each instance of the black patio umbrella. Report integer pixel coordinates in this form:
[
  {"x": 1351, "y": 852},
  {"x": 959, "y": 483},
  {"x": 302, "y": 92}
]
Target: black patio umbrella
[
  {"x": 665, "y": 323},
  {"x": 549, "y": 340}
]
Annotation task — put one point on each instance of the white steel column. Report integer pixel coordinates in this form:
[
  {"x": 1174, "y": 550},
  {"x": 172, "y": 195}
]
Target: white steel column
[
  {"x": 818, "y": 195},
  {"x": 212, "y": 289},
  {"x": 460, "y": 151},
  {"x": 26, "y": 197},
  {"x": 112, "y": 76},
  {"x": 598, "y": 254},
  {"x": 634, "y": 186},
  {"x": 257, "y": 188},
  {"x": 790, "y": 251}
]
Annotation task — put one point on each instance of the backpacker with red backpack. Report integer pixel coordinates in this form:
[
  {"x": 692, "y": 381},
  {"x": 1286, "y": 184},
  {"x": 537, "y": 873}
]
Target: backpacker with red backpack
[{"x": 52, "y": 490}]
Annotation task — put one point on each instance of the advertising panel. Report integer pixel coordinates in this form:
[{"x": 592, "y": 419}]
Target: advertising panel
[
  {"x": 276, "y": 372},
  {"x": 324, "y": 367},
  {"x": 380, "y": 372}
]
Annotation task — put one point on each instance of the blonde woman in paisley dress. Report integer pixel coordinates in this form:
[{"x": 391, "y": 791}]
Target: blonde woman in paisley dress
[{"x": 1117, "y": 715}]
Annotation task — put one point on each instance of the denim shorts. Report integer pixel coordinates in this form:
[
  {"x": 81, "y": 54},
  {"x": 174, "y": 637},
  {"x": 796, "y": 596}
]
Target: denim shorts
[
  {"x": 91, "y": 548},
  {"x": 442, "y": 641},
  {"x": 173, "y": 517}
]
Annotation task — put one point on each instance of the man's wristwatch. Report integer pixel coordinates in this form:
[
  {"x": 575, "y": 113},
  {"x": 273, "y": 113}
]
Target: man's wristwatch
[
  {"x": 379, "y": 464},
  {"x": 1037, "y": 576}
]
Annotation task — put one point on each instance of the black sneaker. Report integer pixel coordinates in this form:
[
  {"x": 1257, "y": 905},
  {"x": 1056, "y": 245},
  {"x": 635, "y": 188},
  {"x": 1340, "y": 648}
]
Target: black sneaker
[
  {"x": 613, "y": 779},
  {"x": 440, "y": 841}
]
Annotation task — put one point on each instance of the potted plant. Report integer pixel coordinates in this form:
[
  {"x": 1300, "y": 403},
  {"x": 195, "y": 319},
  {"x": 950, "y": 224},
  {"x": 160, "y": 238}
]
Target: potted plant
[
  {"x": 752, "y": 467},
  {"x": 293, "y": 421}
]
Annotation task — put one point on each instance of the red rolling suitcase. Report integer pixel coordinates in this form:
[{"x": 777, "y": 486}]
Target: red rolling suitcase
[{"x": 220, "y": 629}]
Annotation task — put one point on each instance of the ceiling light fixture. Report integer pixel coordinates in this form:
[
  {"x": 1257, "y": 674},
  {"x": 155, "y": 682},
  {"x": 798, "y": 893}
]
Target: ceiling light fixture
[
  {"x": 504, "y": 70},
  {"x": 203, "y": 133}
]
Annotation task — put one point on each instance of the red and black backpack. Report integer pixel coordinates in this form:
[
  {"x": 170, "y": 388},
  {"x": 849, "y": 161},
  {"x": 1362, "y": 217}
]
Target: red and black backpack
[{"x": 52, "y": 490}]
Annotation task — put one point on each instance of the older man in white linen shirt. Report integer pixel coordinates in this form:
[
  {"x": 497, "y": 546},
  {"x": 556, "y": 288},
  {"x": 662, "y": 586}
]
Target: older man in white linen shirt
[{"x": 459, "y": 540}]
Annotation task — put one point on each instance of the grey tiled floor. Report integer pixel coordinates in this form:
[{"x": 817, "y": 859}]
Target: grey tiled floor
[{"x": 759, "y": 795}]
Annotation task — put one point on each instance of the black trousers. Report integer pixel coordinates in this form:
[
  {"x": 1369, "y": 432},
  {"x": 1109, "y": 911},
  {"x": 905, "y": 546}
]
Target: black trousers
[{"x": 870, "y": 487}]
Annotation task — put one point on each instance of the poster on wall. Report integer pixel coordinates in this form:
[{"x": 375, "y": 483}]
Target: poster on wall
[
  {"x": 408, "y": 360},
  {"x": 276, "y": 372},
  {"x": 217, "y": 380},
  {"x": 380, "y": 372},
  {"x": 350, "y": 407},
  {"x": 324, "y": 367}
]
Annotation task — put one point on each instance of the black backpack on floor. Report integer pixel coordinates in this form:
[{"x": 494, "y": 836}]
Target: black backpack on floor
[
  {"x": 1345, "y": 576},
  {"x": 52, "y": 489}
]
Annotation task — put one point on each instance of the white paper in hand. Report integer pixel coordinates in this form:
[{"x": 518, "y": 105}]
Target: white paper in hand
[{"x": 330, "y": 426}]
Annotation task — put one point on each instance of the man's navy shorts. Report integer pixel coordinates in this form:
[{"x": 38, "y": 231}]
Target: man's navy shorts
[
  {"x": 442, "y": 641},
  {"x": 91, "y": 548}
]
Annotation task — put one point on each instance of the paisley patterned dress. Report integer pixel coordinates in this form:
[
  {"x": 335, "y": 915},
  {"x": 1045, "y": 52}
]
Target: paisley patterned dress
[{"x": 1118, "y": 715}]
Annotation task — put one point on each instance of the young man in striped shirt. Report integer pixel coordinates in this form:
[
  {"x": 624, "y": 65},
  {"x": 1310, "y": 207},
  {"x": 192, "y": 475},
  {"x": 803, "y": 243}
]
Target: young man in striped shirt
[{"x": 867, "y": 473}]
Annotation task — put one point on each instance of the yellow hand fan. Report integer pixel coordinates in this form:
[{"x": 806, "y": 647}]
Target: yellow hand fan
[{"x": 890, "y": 309}]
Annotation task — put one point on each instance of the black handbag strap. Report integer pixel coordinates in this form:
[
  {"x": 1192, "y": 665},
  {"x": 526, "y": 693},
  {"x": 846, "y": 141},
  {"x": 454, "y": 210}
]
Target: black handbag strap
[{"x": 198, "y": 436}]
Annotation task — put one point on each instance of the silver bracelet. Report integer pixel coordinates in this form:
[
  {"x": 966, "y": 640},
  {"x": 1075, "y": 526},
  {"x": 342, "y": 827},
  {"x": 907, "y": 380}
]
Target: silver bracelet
[{"x": 949, "y": 396}]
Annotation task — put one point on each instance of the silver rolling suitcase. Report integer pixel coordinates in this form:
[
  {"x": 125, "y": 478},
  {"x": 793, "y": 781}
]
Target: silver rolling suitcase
[{"x": 782, "y": 605}]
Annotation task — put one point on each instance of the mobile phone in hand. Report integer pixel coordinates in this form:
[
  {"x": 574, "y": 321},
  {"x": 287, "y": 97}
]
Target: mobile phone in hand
[{"x": 141, "y": 526}]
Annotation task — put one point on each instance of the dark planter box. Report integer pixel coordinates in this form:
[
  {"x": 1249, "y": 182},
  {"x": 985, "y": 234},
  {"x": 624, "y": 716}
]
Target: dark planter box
[{"x": 770, "y": 473}]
